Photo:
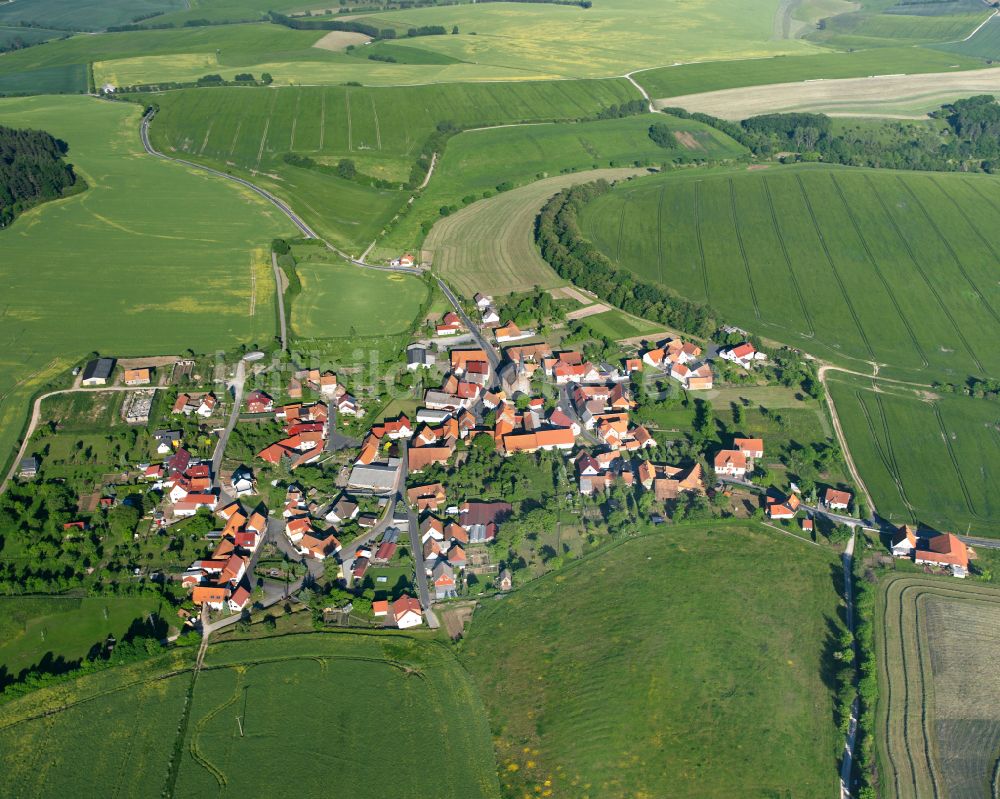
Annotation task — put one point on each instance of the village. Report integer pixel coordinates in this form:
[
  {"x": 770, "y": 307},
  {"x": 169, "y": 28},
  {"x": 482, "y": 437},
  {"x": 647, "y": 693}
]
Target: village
[{"x": 385, "y": 512}]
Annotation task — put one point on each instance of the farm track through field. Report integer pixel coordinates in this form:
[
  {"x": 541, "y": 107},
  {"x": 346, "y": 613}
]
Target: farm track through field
[
  {"x": 743, "y": 251},
  {"x": 833, "y": 266},
  {"x": 788, "y": 260},
  {"x": 322, "y": 120},
  {"x": 378, "y": 130},
  {"x": 878, "y": 271},
  {"x": 621, "y": 232},
  {"x": 951, "y": 250},
  {"x": 140, "y": 706},
  {"x": 347, "y": 102},
  {"x": 263, "y": 141},
  {"x": 954, "y": 462},
  {"x": 295, "y": 121},
  {"x": 659, "y": 236},
  {"x": 916, "y": 265},
  {"x": 236, "y": 136},
  {"x": 208, "y": 132},
  {"x": 890, "y": 449},
  {"x": 701, "y": 244},
  {"x": 975, "y": 229},
  {"x": 883, "y": 453}
]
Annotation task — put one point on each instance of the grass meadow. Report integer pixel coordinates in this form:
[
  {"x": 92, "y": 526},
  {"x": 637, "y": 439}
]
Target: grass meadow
[
  {"x": 477, "y": 161},
  {"x": 985, "y": 43},
  {"x": 151, "y": 259},
  {"x": 383, "y": 130},
  {"x": 339, "y": 300},
  {"x": 704, "y": 675},
  {"x": 715, "y": 75},
  {"x": 83, "y": 15},
  {"x": 489, "y": 246},
  {"x": 925, "y": 457},
  {"x": 355, "y": 696},
  {"x": 33, "y": 628},
  {"x": 880, "y": 23},
  {"x": 938, "y": 724},
  {"x": 857, "y": 266}
]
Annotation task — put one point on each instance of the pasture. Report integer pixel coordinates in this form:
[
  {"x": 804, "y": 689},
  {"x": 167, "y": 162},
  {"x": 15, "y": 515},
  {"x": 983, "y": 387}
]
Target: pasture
[
  {"x": 926, "y": 457},
  {"x": 340, "y": 299},
  {"x": 152, "y": 258},
  {"x": 383, "y": 130},
  {"x": 715, "y": 75},
  {"x": 477, "y": 161},
  {"x": 356, "y": 695},
  {"x": 489, "y": 246},
  {"x": 62, "y": 628},
  {"x": 854, "y": 265},
  {"x": 667, "y": 690},
  {"x": 985, "y": 43},
  {"x": 938, "y": 724}
]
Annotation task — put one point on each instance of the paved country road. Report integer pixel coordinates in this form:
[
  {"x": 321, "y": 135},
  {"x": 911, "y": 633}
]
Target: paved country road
[{"x": 484, "y": 345}]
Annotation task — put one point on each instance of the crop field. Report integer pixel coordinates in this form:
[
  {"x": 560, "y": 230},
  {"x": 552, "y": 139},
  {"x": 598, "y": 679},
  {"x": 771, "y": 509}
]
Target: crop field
[
  {"x": 910, "y": 95},
  {"x": 382, "y": 130},
  {"x": 858, "y": 266},
  {"x": 64, "y": 628},
  {"x": 68, "y": 79},
  {"x": 357, "y": 695},
  {"x": 609, "y": 699},
  {"x": 8, "y": 34},
  {"x": 480, "y": 160},
  {"x": 938, "y": 723},
  {"x": 185, "y": 267},
  {"x": 984, "y": 44},
  {"x": 715, "y": 75},
  {"x": 115, "y": 729},
  {"x": 83, "y": 15},
  {"x": 489, "y": 246},
  {"x": 602, "y": 40},
  {"x": 339, "y": 299},
  {"x": 879, "y": 23},
  {"x": 926, "y": 457}
]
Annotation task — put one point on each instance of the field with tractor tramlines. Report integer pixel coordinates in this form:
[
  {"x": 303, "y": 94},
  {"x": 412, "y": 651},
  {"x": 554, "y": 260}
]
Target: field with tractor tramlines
[
  {"x": 926, "y": 457},
  {"x": 938, "y": 718},
  {"x": 383, "y": 130},
  {"x": 706, "y": 677},
  {"x": 855, "y": 265}
]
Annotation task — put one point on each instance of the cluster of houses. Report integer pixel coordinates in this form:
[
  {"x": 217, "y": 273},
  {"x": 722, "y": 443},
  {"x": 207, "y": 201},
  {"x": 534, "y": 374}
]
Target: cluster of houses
[
  {"x": 503, "y": 334},
  {"x": 301, "y": 528},
  {"x": 306, "y": 426},
  {"x": 681, "y": 360},
  {"x": 222, "y": 578},
  {"x": 185, "y": 481},
  {"x": 744, "y": 355},
  {"x": 201, "y": 404}
]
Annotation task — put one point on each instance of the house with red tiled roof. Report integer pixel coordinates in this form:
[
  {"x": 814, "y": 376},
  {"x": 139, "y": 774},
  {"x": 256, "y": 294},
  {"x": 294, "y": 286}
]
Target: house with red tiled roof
[
  {"x": 259, "y": 402},
  {"x": 945, "y": 550},
  {"x": 744, "y": 355},
  {"x": 731, "y": 463},
  {"x": 406, "y": 612},
  {"x": 782, "y": 509},
  {"x": 239, "y": 598},
  {"x": 837, "y": 500},
  {"x": 904, "y": 542},
  {"x": 214, "y": 596},
  {"x": 752, "y": 448}
]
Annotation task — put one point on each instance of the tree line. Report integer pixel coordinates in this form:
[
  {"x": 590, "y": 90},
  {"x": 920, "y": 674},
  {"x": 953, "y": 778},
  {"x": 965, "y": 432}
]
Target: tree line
[
  {"x": 969, "y": 142},
  {"x": 32, "y": 170},
  {"x": 576, "y": 259}
]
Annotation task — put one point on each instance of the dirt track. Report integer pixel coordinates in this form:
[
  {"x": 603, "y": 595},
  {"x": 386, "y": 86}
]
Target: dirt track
[{"x": 847, "y": 94}]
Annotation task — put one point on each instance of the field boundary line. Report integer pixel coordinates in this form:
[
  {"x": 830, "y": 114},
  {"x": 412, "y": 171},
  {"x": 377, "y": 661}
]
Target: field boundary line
[
  {"x": 659, "y": 234},
  {"x": 621, "y": 230},
  {"x": 890, "y": 450},
  {"x": 743, "y": 252},
  {"x": 350, "y": 132},
  {"x": 922, "y": 273},
  {"x": 322, "y": 120},
  {"x": 378, "y": 130},
  {"x": 878, "y": 271},
  {"x": 263, "y": 141},
  {"x": 236, "y": 135},
  {"x": 295, "y": 121},
  {"x": 788, "y": 260},
  {"x": 833, "y": 267},
  {"x": 208, "y": 131},
  {"x": 972, "y": 225}
]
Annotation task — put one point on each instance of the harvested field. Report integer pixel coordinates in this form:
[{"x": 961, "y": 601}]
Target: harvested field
[
  {"x": 938, "y": 718},
  {"x": 590, "y": 310},
  {"x": 339, "y": 40},
  {"x": 489, "y": 246},
  {"x": 888, "y": 92}
]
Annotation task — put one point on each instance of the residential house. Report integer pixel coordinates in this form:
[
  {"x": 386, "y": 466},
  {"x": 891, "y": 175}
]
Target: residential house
[
  {"x": 240, "y": 597},
  {"x": 505, "y": 581},
  {"x": 243, "y": 481},
  {"x": 744, "y": 355},
  {"x": 137, "y": 377},
  {"x": 483, "y": 301},
  {"x": 443, "y": 579},
  {"x": 214, "y": 596},
  {"x": 343, "y": 510},
  {"x": 731, "y": 463},
  {"x": 450, "y": 325},
  {"x": 786, "y": 508},
  {"x": 904, "y": 542},
  {"x": 207, "y": 406},
  {"x": 482, "y": 519},
  {"x": 752, "y": 448},
  {"x": 406, "y": 612},
  {"x": 259, "y": 402},
  {"x": 419, "y": 356},
  {"x": 837, "y": 500},
  {"x": 945, "y": 550},
  {"x": 426, "y": 497}
]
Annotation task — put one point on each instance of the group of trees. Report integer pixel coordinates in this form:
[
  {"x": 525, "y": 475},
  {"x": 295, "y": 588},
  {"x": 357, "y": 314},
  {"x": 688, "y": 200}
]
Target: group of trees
[
  {"x": 662, "y": 136},
  {"x": 971, "y": 140},
  {"x": 32, "y": 170},
  {"x": 576, "y": 259}
]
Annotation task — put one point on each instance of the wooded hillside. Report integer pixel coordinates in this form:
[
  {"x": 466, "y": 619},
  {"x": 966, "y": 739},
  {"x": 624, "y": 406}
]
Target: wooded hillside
[{"x": 31, "y": 170}]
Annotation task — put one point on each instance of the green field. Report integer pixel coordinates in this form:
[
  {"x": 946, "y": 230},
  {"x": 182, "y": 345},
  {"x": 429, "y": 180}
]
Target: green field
[
  {"x": 938, "y": 723},
  {"x": 878, "y": 23},
  {"x": 854, "y": 265},
  {"x": 985, "y": 44},
  {"x": 925, "y": 457},
  {"x": 715, "y": 75},
  {"x": 152, "y": 258},
  {"x": 489, "y": 246},
  {"x": 617, "y": 324},
  {"x": 144, "y": 738},
  {"x": 383, "y": 130},
  {"x": 683, "y": 664},
  {"x": 478, "y": 161},
  {"x": 83, "y": 15},
  {"x": 55, "y": 628},
  {"x": 339, "y": 299}
]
